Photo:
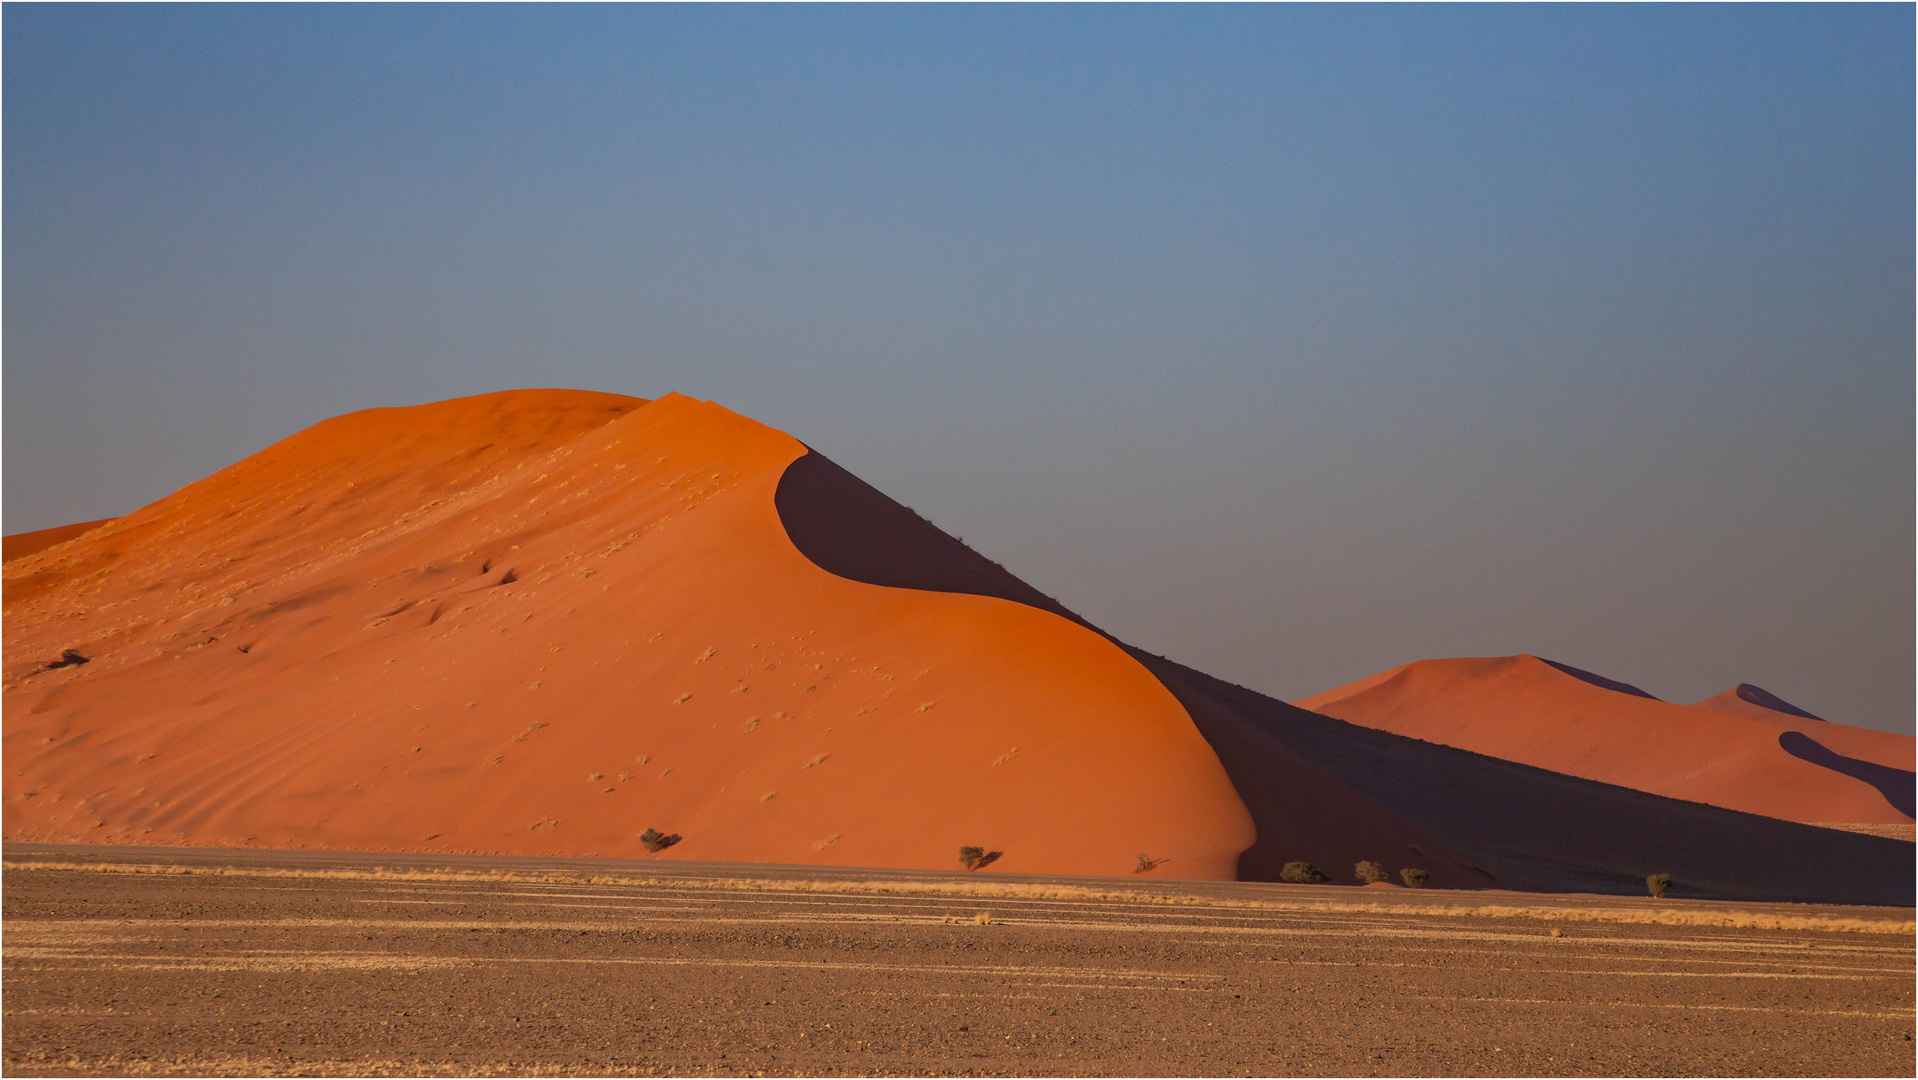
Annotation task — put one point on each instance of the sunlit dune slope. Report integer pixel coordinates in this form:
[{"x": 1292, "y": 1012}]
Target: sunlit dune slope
[
  {"x": 1523, "y": 709},
  {"x": 20, "y": 545},
  {"x": 1865, "y": 744},
  {"x": 543, "y": 621}
]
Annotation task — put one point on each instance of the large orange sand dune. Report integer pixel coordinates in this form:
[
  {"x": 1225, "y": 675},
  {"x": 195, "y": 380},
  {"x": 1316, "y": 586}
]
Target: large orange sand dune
[{"x": 541, "y": 622}]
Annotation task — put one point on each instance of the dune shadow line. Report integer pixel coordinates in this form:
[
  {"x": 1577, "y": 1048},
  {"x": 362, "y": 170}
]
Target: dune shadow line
[{"x": 1896, "y": 785}]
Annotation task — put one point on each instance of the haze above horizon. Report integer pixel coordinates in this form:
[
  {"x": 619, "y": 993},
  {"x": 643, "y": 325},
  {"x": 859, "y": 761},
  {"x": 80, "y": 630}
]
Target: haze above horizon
[{"x": 1292, "y": 343}]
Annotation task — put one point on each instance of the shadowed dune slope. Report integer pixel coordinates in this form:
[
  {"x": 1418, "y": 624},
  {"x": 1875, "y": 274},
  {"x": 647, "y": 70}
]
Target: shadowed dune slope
[
  {"x": 23, "y": 544},
  {"x": 850, "y": 528},
  {"x": 1527, "y": 710},
  {"x": 1332, "y": 793},
  {"x": 540, "y": 622}
]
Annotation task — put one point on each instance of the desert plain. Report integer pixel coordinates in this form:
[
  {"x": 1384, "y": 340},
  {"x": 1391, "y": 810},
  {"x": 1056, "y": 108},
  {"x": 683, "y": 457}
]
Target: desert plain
[{"x": 175, "y": 961}]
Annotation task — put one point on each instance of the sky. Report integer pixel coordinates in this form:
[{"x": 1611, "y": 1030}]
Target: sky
[{"x": 1294, "y": 343}]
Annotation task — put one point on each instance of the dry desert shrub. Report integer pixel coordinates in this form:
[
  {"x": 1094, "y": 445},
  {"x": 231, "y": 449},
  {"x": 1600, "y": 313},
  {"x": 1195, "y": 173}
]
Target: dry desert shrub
[
  {"x": 1147, "y": 864},
  {"x": 1656, "y": 884},
  {"x": 1368, "y": 871},
  {"x": 1413, "y": 877},
  {"x": 654, "y": 840},
  {"x": 974, "y": 858},
  {"x": 1301, "y": 873}
]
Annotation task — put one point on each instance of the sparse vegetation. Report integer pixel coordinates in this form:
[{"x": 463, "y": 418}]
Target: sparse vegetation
[
  {"x": 1572, "y": 911},
  {"x": 1656, "y": 884},
  {"x": 1369, "y": 872},
  {"x": 1301, "y": 873},
  {"x": 1147, "y": 864},
  {"x": 976, "y": 857},
  {"x": 1414, "y": 878},
  {"x": 654, "y": 840}
]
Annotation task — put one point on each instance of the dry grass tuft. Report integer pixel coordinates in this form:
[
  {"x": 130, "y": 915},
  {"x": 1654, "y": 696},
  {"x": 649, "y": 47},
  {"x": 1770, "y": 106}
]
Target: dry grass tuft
[{"x": 1726, "y": 918}]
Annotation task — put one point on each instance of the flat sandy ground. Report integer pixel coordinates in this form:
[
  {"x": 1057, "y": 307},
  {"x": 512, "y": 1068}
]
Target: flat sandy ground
[{"x": 144, "y": 960}]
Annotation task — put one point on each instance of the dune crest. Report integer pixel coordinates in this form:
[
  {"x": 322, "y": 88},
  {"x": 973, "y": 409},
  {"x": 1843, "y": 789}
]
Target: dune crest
[
  {"x": 542, "y": 622},
  {"x": 1724, "y": 752},
  {"x": 20, "y": 545}
]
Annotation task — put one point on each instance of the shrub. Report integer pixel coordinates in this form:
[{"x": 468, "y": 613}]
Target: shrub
[
  {"x": 1369, "y": 872},
  {"x": 1413, "y": 878},
  {"x": 1656, "y": 884},
  {"x": 976, "y": 857},
  {"x": 654, "y": 840},
  {"x": 1302, "y": 873},
  {"x": 1147, "y": 864}
]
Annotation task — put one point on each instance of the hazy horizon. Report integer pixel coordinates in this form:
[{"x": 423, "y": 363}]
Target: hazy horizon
[{"x": 1292, "y": 343}]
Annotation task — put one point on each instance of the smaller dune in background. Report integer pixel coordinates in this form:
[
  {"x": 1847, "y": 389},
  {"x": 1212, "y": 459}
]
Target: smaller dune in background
[{"x": 1745, "y": 749}]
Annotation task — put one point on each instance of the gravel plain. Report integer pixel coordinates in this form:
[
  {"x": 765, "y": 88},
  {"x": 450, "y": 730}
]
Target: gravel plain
[{"x": 169, "y": 961}]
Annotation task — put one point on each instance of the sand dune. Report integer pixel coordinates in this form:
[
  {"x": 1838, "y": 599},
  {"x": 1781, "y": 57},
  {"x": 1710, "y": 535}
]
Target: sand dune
[
  {"x": 1732, "y": 753},
  {"x": 23, "y": 544},
  {"x": 543, "y": 621},
  {"x": 1331, "y": 793}
]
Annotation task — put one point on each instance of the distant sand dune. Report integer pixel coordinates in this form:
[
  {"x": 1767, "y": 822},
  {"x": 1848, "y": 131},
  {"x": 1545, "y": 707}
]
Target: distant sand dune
[{"x": 1727, "y": 751}]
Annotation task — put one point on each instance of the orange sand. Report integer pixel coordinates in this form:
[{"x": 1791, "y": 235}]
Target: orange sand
[
  {"x": 1523, "y": 709},
  {"x": 1883, "y": 747},
  {"x": 539, "y": 622},
  {"x": 22, "y": 544}
]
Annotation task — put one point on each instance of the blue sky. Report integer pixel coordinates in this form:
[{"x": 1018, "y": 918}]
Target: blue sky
[{"x": 1292, "y": 342}]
